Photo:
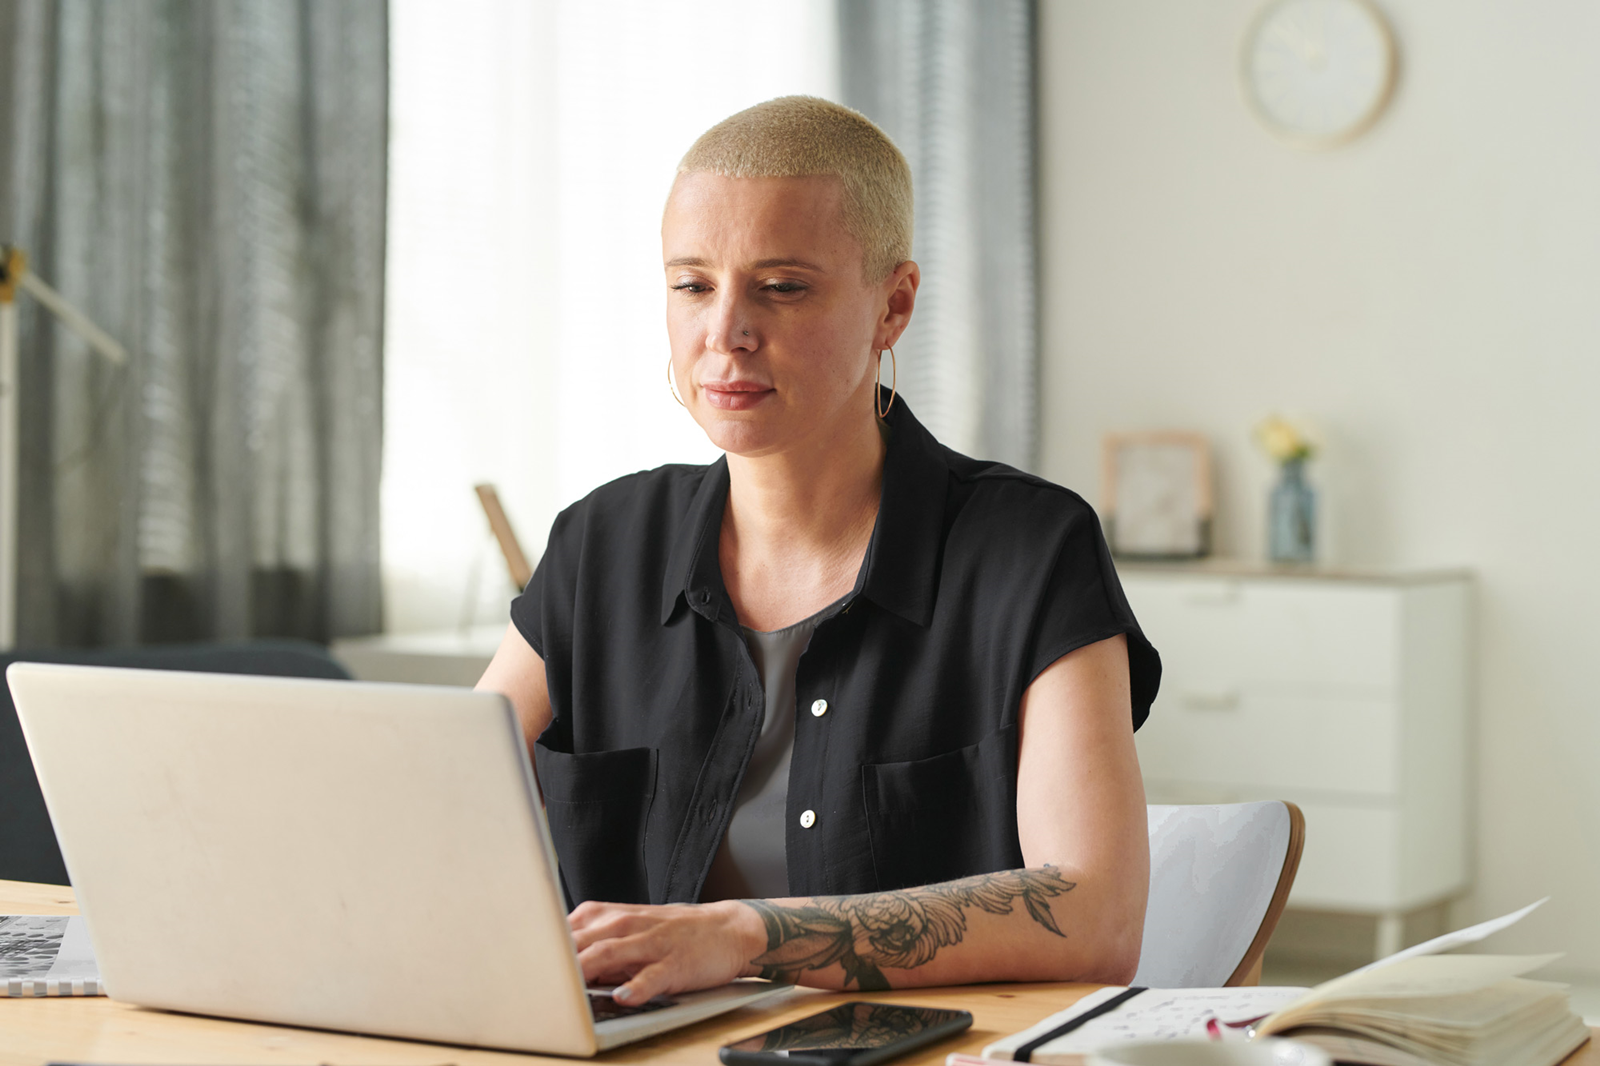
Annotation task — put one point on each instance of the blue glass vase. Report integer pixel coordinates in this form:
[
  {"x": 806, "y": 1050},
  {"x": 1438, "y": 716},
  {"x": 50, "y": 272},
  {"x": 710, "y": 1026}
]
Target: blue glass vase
[{"x": 1292, "y": 516}]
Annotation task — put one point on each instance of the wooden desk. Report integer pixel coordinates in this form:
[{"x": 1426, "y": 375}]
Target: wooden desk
[{"x": 95, "y": 1029}]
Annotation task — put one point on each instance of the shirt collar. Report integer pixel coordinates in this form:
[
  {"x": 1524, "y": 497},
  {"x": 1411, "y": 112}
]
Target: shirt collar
[
  {"x": 900, "y": 572},
  {"x": 694, "y": 571}
]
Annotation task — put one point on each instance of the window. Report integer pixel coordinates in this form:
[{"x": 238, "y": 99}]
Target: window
[{"x": 531, "y": 151}]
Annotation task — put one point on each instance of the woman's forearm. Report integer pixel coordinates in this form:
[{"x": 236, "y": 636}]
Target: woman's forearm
[{"x": 997, "y": 926}]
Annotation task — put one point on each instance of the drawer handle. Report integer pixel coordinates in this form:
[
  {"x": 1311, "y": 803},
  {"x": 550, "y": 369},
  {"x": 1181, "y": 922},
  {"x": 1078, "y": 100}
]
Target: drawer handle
[{"x": 1197, "y": 700}]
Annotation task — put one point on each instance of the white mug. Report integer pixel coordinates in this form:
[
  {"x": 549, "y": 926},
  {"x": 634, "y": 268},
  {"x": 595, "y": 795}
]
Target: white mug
[{"x": 1270, "y": 1051}]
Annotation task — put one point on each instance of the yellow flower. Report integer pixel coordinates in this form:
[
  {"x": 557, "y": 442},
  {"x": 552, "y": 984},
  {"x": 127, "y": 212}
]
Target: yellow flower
[{"x": 1281, "y": 440}]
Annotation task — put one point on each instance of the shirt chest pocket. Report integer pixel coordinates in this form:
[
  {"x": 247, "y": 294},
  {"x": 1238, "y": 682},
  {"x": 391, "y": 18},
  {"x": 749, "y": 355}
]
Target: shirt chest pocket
[
  {"x": 598, "y": 804},
  {"x": 952, "y": 815}
]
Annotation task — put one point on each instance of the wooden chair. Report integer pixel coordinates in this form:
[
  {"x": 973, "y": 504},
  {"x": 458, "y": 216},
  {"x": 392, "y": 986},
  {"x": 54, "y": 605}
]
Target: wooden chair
[{"x": 1219, "y": 878}]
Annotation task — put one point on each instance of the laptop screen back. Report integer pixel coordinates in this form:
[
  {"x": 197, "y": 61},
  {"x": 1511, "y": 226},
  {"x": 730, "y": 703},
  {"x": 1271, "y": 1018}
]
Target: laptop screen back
[{"x": 332, "y": 854}]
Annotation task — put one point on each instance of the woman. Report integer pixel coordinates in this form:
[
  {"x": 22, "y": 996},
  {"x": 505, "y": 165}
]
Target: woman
[{"x": 845, "y": 706}]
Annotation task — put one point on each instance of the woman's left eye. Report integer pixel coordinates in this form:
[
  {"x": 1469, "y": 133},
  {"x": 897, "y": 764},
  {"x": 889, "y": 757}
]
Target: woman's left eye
[{"x": 784, "y": 286}]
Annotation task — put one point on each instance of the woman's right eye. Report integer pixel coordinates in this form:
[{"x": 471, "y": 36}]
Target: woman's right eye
[{"x": 690, "y": 287}]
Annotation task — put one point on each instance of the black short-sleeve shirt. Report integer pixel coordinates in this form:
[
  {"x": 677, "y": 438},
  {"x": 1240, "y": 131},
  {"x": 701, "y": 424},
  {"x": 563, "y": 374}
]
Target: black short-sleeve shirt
[{"x": 977, "y": 577}]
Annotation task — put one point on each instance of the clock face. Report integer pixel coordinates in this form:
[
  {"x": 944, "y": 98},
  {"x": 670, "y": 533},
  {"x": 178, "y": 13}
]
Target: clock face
[{"x": 1318, "y": 72}]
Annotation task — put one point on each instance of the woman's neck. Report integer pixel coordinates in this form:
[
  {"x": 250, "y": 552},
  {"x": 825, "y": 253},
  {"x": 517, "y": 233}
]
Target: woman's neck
[{"x": 797, "y": 524}]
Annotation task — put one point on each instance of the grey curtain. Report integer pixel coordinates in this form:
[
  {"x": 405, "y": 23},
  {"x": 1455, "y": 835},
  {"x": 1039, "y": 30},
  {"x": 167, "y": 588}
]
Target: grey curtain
[
  {"x": 206, "y": 180},
  {"x": 952, "y": 82}
]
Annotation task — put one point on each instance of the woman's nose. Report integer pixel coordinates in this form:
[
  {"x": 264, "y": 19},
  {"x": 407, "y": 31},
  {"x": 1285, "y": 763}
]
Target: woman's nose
[{"x": 730, "y": 329}]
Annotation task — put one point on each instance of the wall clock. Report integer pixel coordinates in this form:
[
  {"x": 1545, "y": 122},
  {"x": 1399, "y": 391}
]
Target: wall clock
[{"x": 1318, "y": 72}]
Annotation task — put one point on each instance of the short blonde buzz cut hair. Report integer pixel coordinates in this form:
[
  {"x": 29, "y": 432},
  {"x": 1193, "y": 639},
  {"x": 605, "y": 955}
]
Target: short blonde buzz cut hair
[{"x": 799, "y": 136}]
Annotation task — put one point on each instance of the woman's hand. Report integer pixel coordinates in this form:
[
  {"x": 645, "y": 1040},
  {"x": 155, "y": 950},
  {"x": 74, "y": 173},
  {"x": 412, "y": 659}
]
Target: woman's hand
[{"x": 652, "y": 951}]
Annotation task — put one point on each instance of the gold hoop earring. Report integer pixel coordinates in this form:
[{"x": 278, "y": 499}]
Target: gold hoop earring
[
  {"x": 877, "y": 391},
  {"x": 671, "y": 386}
]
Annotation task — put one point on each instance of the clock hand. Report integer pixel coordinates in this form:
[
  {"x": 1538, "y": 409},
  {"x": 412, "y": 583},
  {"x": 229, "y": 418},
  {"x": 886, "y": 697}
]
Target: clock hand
[
  {"x": 1317, "y": 41},
  {"x": 1297, "y": 41}
]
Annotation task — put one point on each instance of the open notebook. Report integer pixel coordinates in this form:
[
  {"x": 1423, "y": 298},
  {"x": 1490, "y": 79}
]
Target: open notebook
[
  {"x": 46, "y": 956},
  {"x": 1416, "y": 1008}
]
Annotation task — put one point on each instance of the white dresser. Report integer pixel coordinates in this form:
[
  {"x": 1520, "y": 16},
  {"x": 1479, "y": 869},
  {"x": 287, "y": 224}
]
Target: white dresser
[{"x": 1343, "y": 692}]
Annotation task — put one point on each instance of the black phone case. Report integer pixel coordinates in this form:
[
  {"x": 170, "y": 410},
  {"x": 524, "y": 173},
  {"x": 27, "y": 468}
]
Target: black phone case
[{"x": 864, "y": 1057}]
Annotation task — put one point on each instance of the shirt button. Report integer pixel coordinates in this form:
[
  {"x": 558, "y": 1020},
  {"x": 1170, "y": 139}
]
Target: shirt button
[
  {"x": 819, "y": 708},
  {"x": 808, "y": 819}
]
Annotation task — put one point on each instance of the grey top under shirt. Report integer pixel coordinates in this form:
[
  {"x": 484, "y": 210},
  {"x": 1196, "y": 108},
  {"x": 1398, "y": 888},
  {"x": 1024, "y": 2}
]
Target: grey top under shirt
[{"x": 752, "y": 862}]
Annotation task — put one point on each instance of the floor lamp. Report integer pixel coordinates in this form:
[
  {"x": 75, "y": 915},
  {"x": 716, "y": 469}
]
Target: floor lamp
[{"x": 14, "y": 276}]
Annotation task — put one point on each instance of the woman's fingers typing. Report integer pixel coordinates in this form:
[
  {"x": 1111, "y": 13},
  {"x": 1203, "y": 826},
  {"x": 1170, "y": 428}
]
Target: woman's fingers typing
[
  {"x": 624, "y": 955},
  {"x": 590, "y": 913},
  {"x": 658, "y": 950},
  {"x": 607, "y": 924},
  {"x": 652, "y": 981}
]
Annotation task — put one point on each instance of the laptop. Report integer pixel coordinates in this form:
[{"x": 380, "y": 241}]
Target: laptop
[{"x": 370, "y": 858}]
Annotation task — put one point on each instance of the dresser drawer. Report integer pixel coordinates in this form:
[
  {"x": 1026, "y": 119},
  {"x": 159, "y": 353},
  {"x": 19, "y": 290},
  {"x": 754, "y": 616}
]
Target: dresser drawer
[
  {"x": 1226, "y": 633},
  {"x": 1350, "y": 861},
  {"x": 1255, "y": 740}
]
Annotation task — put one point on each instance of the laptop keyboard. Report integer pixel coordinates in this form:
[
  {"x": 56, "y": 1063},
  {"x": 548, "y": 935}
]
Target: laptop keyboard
[{"x": 604, "y": 1008}]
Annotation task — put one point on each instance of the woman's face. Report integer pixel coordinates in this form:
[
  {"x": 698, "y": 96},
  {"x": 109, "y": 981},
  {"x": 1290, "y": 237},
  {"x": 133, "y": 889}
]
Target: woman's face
[{"x": 772, "y": 324}]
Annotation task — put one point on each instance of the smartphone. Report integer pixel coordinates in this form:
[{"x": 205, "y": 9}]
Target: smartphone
[{"x": 852, "y": 1034}]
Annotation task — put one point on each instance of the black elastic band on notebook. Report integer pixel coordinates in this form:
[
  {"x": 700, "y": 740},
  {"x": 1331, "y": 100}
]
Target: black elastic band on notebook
[{"x": 1025, "y": 1052}]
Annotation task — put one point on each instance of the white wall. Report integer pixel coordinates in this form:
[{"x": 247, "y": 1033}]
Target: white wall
[{"x": 1429, "y": 295}]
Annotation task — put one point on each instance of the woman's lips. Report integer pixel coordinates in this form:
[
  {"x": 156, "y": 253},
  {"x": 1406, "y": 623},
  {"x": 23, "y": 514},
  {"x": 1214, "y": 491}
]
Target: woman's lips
[{"x": 735, "y": 395}]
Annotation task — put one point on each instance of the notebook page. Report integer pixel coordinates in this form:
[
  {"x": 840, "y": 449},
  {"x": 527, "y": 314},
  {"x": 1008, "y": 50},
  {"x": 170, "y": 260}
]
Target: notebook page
[
  {"x": 1461, "y": 937},
  {"x": 1155, "y": 1014},
  {"x": 1426, "y": 975},
  {"x": 46, "y": 955},
  {"x": 76, "y": 957}
]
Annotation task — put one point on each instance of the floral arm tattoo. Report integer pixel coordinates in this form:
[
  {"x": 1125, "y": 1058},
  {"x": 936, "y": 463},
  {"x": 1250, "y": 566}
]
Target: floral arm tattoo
[{"x": 899, "y": 930}]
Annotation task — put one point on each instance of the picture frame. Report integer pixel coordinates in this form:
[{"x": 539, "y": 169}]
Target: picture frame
[{"x": 1158, "y": 495}]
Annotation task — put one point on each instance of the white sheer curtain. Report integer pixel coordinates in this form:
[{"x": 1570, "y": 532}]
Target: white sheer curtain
[
  {"x": 469, "y": 391},
  {"x": 533, "y": 143}
]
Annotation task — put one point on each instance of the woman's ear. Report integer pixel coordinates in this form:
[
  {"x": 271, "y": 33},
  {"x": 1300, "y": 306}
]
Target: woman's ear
[{"x": 900, "y": 290}]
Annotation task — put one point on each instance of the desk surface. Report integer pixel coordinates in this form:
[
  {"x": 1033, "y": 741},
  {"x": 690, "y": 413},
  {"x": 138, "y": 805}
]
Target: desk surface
[{"x": 95, "y": 1029}]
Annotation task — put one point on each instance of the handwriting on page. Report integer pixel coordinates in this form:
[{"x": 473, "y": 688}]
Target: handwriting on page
[{"x": 1157, "y": 1014}]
